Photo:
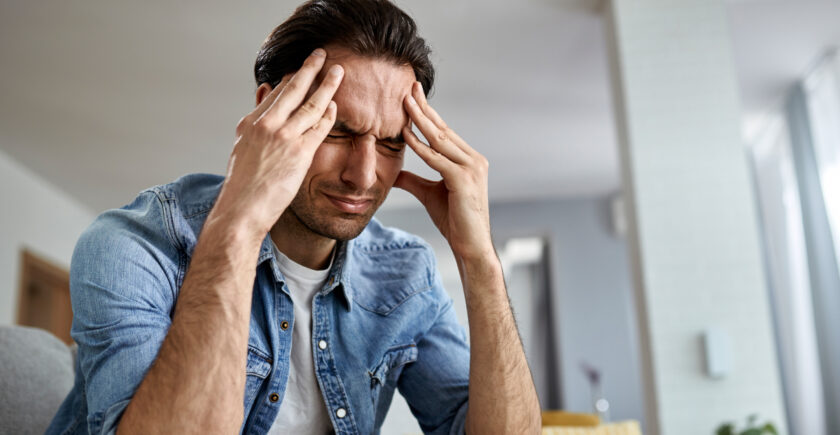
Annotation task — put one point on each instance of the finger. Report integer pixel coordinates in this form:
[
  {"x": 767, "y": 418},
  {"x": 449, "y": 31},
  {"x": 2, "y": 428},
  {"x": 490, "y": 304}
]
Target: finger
[
  {"x": 417, "y": 92},
  {"x": 313, "y": 109},
  {"x": 249, "y": 119},
  {"x": 294, "y": 92},
  {"x": 431, "y": 113},
  {"x": 434, "y": 159},
  {"x": 318, "y": 132},
  {"x": 269, "y": 99},
  {"x": 415, "y": 185},
  {"x": 438, "y": 138}
]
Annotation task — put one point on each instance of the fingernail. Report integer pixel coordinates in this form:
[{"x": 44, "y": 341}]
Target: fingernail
[
  {"x": 411, "y": 100},
  {"x": 336, "y": 70},
  {"x": 319, "y": 52}
]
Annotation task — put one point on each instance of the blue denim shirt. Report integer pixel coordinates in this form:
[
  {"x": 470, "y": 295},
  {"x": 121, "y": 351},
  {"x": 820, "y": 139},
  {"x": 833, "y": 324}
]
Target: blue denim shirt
[{"x": 383, "y": 314}]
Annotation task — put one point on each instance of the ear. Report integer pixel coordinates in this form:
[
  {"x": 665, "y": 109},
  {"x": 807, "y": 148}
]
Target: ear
[
  {"x": 262, "y": 91},
  {"x": 266, "y": 88}
]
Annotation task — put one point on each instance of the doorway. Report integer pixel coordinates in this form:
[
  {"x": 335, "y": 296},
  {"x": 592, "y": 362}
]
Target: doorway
[{"x": 44, "y": 296}]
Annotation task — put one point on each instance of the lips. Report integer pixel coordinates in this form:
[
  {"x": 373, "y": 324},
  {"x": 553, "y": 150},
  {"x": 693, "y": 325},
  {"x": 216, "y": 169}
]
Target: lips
[{"x": 349, "y": 204}]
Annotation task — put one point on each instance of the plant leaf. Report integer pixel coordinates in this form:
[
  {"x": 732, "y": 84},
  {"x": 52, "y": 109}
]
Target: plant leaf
[
  {"x": 769, "y": 428},
  {"x": 726, "y": 429}
]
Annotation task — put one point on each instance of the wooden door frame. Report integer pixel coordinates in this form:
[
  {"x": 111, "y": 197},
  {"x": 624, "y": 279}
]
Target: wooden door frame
[{"x": 30, "y": 263}]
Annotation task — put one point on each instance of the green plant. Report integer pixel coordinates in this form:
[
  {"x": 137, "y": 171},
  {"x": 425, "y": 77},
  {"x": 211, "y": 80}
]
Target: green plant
[{"x": 751, "y": 429}]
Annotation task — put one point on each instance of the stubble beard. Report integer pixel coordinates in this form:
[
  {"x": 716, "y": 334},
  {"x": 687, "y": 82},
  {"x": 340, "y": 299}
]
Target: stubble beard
[{"x": 331, "y": 223}]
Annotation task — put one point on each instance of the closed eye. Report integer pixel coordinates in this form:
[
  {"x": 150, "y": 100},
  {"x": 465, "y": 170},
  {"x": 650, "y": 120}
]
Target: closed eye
[
  {"x": 339, "y": 138},
  {"x": 393, "y": 147}
]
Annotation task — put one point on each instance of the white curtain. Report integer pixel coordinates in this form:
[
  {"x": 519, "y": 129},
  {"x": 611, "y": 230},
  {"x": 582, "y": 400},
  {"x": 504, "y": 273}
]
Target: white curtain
[
  {"x": 788, "y": 275},
  {"x": 813, "y": 117},
  {"x": 822, "y": 98}
]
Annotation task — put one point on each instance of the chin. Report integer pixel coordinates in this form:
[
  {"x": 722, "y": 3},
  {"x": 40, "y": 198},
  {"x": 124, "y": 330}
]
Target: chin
[
  {"x": 326, "y": 223},
  {"x": 339, "y": 228},
  {"x": 323, "y": 219}
]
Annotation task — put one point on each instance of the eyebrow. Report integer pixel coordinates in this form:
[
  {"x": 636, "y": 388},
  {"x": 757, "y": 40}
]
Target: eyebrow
[{"x": 342, "y": 127}]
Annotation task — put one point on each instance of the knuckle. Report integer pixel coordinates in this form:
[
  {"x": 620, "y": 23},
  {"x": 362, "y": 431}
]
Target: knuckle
[
  {"x": 442, "y": 136},
  {"x": 261, "y": 127},
  {"x": 292, "y": 86},
  {"x": 309, "y": 107},
  {"x": 283, "y": 135},
  {"x": 242, "y": 124}
]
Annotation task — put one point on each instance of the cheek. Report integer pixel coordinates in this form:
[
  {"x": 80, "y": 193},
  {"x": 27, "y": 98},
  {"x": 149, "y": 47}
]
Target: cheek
[
  {"x": 324, "y": 166},
  {"x": 327, "y": 158}
]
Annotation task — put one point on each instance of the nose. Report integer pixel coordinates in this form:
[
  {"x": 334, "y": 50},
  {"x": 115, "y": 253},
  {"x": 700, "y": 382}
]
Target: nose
[{"x": 360, "y": 166}]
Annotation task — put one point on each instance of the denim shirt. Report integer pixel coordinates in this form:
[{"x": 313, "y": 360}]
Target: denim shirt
[{"x": 381, "y": 322}]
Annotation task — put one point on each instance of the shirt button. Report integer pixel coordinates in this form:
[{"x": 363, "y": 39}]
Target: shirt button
[
  {"x": 274, "y": 397},
  {"x": 340, "y": 413},
  {"x": 284, "y": 325},
  {"x": 322, "y": 344}
]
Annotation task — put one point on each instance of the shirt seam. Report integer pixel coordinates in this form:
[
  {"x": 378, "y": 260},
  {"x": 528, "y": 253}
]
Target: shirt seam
[{"x": 168, "y": 218}]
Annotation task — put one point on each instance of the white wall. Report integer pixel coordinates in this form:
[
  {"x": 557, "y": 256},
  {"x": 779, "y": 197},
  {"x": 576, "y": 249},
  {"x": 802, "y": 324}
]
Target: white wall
[
  {"x": 693, "y": 232},
  {"x": 37, "y": 216}
]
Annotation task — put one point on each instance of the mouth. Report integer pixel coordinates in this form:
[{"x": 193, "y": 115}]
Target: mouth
[{"x": 350, "y": 204}]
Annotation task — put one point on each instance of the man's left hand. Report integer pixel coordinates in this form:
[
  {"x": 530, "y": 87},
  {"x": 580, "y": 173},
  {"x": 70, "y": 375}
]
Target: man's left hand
[{"x": 458, "y": 203}]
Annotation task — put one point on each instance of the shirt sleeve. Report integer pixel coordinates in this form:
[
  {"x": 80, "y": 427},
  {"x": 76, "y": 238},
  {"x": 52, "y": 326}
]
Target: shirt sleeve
[
  {"x": 122, "y": 286},
  {"x": 436, "y": 385}
]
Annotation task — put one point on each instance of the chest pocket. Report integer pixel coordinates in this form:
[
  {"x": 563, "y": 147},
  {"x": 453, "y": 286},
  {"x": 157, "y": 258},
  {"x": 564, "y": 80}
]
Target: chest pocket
[
  {"x": 257, "y": 369},
  {"x": 388, "y": 370}
]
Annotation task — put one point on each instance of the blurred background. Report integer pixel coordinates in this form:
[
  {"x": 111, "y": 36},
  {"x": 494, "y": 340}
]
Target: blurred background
[{"x": 664, "y": 179}]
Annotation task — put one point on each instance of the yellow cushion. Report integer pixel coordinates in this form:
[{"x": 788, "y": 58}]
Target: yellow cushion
[{"x": 561, "y": 418}]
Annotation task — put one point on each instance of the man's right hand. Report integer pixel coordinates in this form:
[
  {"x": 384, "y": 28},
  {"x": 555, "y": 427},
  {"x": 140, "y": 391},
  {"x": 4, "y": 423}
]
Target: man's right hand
[
  {"x": 275, "y": 146},
  {"x": 208, "y": 336}
]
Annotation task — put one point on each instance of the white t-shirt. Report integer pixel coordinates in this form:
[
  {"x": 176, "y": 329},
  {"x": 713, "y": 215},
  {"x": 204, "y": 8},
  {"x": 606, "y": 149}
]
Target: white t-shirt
[{"x": 302, "y": 410}]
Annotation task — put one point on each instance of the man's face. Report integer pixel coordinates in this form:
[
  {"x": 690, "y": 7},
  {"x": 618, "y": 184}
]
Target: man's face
[{"x": 356, "y": 165}]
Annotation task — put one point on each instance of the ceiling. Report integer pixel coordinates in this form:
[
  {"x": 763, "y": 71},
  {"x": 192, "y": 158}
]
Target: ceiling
[{"x": 106, "y": 98}]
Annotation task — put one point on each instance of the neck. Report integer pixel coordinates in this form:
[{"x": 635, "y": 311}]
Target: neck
[{"x": 300, "y": 244}]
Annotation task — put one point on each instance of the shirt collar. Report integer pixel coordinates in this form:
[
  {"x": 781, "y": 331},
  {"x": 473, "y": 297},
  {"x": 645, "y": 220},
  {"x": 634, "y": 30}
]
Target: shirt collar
[{"x": 339, "y": 273}]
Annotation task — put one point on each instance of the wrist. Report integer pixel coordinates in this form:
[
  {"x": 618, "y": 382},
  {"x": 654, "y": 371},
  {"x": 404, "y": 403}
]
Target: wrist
[
  {"x": 475, "y": 254},
  {"x": 247, "y": 217},
  {"x": 233, "y": 230},
  {"x": 485, "y": 266}
]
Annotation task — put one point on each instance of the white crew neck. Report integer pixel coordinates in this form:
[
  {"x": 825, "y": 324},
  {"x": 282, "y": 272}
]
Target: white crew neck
[{"x": 290, "y": 267}]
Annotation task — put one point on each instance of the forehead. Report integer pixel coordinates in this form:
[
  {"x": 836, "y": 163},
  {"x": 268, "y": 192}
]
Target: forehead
[{"x": 370, "y": 97}]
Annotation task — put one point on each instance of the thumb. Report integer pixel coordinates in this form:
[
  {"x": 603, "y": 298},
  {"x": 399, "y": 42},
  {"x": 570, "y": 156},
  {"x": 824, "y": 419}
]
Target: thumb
[{"x": 414, "y": 184}]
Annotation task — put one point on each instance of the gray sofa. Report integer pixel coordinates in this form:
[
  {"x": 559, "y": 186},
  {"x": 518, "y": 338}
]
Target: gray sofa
[{"x": 36, "y": 373}]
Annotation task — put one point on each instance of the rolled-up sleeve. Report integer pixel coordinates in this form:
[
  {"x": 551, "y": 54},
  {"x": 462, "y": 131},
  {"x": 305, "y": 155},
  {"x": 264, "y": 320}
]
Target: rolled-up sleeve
[
  {"x": 123, "y": 280},
  {"x": 436, "y": 385}
]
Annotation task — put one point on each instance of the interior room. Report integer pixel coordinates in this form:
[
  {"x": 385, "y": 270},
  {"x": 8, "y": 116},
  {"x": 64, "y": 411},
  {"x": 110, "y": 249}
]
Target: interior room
[{"x": 663, "y": 184}]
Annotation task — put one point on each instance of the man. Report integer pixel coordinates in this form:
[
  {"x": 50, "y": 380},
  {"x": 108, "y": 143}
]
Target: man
[{"x": 177, "y": 328}]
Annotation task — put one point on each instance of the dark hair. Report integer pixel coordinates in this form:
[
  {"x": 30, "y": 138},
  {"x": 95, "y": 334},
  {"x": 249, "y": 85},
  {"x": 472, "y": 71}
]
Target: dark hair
[{"x": 375, "y": 28}]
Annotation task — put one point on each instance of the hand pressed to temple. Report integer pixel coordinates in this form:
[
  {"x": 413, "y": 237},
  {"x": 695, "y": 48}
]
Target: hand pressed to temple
[
  {"x": 502, "y": 397},
  {"x": 458, "y": 203},
  {"x": 276, "y": 143}
]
